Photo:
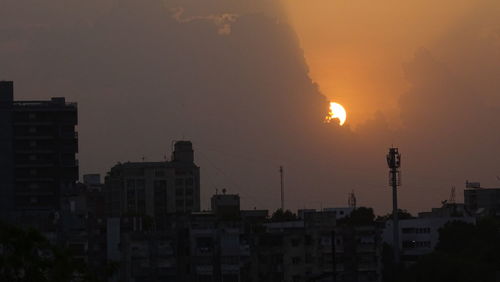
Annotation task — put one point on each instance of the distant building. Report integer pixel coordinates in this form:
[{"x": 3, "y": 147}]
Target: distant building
[
  {"x": 38, "y": 147},
  {"x": 339, "y": 213},
  {"x": 482, "y": 201},
  {"x": 225, "y": 205},
  {"x": 419, "y": 236},
  {"x": 155, "y": 189},
  {"x": 302, "y": 250}
]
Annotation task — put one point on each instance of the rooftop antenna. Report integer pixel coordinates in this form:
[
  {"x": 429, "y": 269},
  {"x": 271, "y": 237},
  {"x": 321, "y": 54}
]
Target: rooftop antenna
[
  {"x": 351, "y": 201},
  {"x": 282, "y": 189},
  {"x": 452, "y": 195},
  {"x": 394, "y": 163}
]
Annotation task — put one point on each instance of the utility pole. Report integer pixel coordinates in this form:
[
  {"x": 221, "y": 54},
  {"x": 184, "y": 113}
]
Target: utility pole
[
  {"x": 394, "y": 162},
  {"x": 334, "y": 258},
  {"x": 282, "y": 189}
]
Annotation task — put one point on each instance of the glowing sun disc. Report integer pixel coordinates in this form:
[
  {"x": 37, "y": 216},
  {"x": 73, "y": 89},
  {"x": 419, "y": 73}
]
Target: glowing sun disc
[{"x": 337, "y": 111}]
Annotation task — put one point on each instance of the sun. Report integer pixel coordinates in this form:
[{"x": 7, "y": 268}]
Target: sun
[{"x": 336, "y": 111}]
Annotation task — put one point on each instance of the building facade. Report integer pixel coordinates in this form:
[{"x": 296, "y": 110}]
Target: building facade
[
  {"x": 419, "y": 236},
  {"x": 155, "y": 189},
  {"x": 38, "y": 146},
  {"x": 482, "y": 201}
]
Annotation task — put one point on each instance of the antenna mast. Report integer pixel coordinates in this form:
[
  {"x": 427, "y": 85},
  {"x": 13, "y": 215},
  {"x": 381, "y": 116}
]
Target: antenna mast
[
  {"x": 282, "y": 189},
  {"x": 452, "y": 195},
  {"x": 351, "y": 201}
]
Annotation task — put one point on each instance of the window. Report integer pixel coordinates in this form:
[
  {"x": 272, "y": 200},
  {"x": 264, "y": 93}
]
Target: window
[
  {"x": 32, "y": 143},
  {"x": 189, "y": 181},
  {"x": 32, "y": 116},
  {"x": 140, "y": 183},
  {"x": 296, "y": 260},
  {"x": 179, "y": 191},
  {"x": 408, "y": 230},
  {"x": 32, "y": 130},
  {"x": 33, "y": 172},
  {"x": 179, "y": 181},
  {"x": 179, "y": 202},
  {"x": 159, "y": 173},
  {"x": 160, "y": 184},
  {"x": 295, "y": 242},
  {"x": 189, "y": 192}
]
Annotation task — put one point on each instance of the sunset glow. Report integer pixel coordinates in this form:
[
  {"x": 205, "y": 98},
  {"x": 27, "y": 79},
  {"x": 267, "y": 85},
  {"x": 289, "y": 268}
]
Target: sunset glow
[{"x": 336, "y": 111}]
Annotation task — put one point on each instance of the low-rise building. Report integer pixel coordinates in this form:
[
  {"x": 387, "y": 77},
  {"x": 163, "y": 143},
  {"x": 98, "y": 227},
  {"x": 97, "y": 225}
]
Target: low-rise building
[
  {"x": 482, "y": 201},
  {"x": 419, "y": 236}
]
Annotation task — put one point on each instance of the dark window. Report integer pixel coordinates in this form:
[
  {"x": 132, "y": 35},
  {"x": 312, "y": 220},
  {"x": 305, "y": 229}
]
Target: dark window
[
  {"x": 179, "y": 191},
  {"x": 179, "y": 202},
  {"x": 408, "y": 230}
]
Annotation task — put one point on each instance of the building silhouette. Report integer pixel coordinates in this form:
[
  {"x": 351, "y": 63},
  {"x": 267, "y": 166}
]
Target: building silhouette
[
  {"x": 482, "y": 201},
  {"x": 155, "y": 189},
  {"x": 420, "y": 235},
  {"x": 38, "y": 145}
]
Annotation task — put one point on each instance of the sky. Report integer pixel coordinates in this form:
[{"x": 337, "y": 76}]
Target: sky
[{"x": 249, "y": 82}]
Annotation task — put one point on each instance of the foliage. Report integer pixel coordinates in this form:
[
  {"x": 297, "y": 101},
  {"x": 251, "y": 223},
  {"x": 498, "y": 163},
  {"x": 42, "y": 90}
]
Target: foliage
[
  {"x": 359, "y": 216},
  {"x": 27, "y": 256},
  {"x": 465, "y": 253},
  {"x": 402, "y": 214},
  {"x": 279, "y": 215}
]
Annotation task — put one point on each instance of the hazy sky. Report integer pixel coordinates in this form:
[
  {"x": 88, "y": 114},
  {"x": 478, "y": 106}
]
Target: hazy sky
[{"x": 249, "y": 83}]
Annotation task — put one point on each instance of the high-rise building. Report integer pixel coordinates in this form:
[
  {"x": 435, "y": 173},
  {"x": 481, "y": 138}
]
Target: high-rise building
[
  {"x": 155, "y": 189},
  {"x": 38, "y": 147}
]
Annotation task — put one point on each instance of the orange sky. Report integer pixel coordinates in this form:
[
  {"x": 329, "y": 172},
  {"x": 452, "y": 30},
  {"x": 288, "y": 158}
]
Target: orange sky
[{"x": 355, "y": 49}]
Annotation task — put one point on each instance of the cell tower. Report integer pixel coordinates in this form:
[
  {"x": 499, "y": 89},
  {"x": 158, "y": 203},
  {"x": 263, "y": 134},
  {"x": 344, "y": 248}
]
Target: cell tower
[{"x": 394, "y": 163}]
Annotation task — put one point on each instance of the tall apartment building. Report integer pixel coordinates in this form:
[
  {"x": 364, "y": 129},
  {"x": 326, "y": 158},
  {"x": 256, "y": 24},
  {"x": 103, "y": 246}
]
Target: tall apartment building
[
  {"x": 155, "y": 188},
  {"x": 38, "y": 147}
]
